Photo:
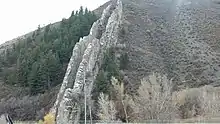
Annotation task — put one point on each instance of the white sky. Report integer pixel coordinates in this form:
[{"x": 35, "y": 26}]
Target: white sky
[{"x": 18, "y": 17}]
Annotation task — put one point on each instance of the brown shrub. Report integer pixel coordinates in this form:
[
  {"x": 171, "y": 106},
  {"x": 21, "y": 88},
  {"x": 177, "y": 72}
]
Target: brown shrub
[
  {"x": 107, "y": 111},
  {"x": 204, "y": 101},
  {"x": 154, "y": 100},
  {"x": 27, "y": 107}
]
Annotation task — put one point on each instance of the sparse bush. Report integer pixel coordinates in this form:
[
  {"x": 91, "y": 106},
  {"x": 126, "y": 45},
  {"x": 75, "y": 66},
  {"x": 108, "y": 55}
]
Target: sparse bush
[
  {"x": 188, "y": 102},
  {"x": 204, "y": 101},
  {"x": 107, "y": 111},
  {"x": 121, "y": 99},
  {"x": 210, "y": 101},
  {"x": 27, "y": 107},
  {"x": 154, "y": 100},
  {"x": 48, "y": 119}
]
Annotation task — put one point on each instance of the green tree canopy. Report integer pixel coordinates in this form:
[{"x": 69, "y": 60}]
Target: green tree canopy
[{"x": 40, "y": 60}]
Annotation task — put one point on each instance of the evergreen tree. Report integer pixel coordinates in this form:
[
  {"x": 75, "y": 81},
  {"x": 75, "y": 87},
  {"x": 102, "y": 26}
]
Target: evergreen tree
[
  {"x": 1, "y": 64},
  {"x": 101, "y": 84},
  {"x": 38, "y": 61},
  {"x": 54, "y": 68},
  {"x": 108, "y": 70},
  {"x": 124, "y": 61},
  {"x": 72, "y": 14},
  {"x": 34, "y": 84}
]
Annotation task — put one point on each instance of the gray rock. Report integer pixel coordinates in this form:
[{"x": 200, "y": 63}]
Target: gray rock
[{"x": 84, "y": 65}]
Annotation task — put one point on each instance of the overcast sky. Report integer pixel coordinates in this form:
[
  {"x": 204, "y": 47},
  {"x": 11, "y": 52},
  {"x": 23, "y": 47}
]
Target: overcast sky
[{"x": 18, "y": 17}]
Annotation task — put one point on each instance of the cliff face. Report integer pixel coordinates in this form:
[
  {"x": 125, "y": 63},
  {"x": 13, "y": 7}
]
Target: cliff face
[{"x": 84, "y": 64}]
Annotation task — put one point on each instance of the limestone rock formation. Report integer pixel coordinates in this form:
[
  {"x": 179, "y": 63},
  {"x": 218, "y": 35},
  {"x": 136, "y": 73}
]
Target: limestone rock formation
[
  {"x": 175, "y": 37},
  {"x": 84, "y": 64}
]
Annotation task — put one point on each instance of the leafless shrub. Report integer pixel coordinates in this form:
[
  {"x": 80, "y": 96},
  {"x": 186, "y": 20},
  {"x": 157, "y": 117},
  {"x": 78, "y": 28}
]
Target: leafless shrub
[
  {"x": 122, "y": 99},
  {"x": 210, "y": 101},
  {"x": 157, "y": 102},
  {"x": 204, "y": 101},
  {"x": 107, "y": 111},
  {"x": 27, "y": 107},
  {"x": 188, "y": 102},
  {"x": 154, "y": 100}
]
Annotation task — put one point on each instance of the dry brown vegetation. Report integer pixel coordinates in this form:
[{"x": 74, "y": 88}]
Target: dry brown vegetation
[
  {"x": 156, "y": 101},
  {"x": 48, "y": 119},
  {"x": 194, "y": 102},
  {"x": 107, "y": 111},
  {"x": 20, "y": 106}
]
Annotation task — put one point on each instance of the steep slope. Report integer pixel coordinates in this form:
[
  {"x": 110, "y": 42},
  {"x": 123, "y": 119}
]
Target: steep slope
[
  {"x": 162, "y": 36},
  {"x": 8, "y": 44},
  {"x": 100, "y": 9},
  {"x": 32, "y": 66},
  {"x": 85, "y": 63},
  {"x": 175, "y": 37}
]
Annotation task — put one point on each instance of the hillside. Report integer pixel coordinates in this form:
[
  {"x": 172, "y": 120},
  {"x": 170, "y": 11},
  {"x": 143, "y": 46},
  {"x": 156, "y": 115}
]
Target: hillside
[
  {"x": 8, "y": 44},
  {"x": 161, "y": 56},
  {"x": 138, "y": 61},
  {"x": 32, "y": 66},
  {"x": 174, "y": 37}
]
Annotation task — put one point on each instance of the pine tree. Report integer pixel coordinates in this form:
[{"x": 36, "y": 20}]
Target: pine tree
[
  {"x": 34, "y": 83},
  {"x": 38, "y": 60},
  {"x": 101, "y": 84},
  {"x": 22, "y": 70},
  {"x": 54, "y": 68}
]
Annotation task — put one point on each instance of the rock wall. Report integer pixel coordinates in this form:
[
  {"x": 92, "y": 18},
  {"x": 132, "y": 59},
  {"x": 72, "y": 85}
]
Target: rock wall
[{"x": 84, "y": 65}]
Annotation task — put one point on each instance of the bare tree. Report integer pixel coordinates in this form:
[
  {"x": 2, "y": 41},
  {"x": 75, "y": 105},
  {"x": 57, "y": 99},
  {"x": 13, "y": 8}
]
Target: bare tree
[
  {"x": 121, "y": 98},
  {"x": 107, "y": 111},
  {"x": 154, "y": 100},
  {"x": 210, "y": 100},
  {"x": 188, "y": 102},
  {"x": 193, "y": 102}
]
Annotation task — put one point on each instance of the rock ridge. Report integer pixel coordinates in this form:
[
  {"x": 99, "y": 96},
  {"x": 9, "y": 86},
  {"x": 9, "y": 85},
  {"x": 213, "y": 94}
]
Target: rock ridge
[{"x": 85, "y": 63}]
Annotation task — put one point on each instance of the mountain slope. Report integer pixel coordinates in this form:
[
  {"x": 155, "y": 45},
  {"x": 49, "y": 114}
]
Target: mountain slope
[
  {"x": 157, "y": 36},
  {"x": 36, "y": 64},
  {"x": 175, "y": 37},
  {"x": 178, "y": 38}
]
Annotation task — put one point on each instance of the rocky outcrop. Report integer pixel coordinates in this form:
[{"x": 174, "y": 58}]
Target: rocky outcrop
[{"x": 84, "y": 65}]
